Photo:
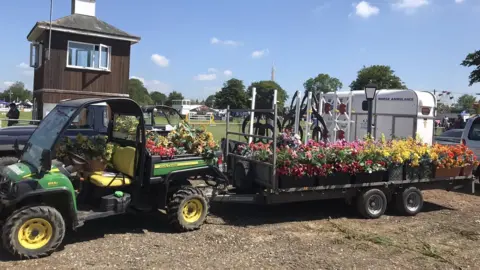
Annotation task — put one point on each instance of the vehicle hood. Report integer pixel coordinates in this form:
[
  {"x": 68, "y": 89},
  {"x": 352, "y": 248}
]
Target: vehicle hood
[
  {"x": 20, "y": 171},
  {"x": 17, "y": 171}
]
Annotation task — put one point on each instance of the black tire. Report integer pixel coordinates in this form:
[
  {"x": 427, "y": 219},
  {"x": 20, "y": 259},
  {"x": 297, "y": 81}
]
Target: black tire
[
  {"x": 180, "y": 202},
  {"x": 32, "y": 219},
  {"x": 372, "y": 203},
  {"x": 409, "y": 202},
  {"x": 6, "y": 161}
]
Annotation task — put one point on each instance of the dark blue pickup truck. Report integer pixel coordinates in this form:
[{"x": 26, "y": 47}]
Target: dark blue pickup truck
[{"x": 91, "y": 122}]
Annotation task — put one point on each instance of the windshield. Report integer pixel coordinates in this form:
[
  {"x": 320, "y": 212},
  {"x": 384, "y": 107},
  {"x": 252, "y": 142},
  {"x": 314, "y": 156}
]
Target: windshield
[
  {"x": 46, "y": 134},
  {"x": 168, "y": 116}
]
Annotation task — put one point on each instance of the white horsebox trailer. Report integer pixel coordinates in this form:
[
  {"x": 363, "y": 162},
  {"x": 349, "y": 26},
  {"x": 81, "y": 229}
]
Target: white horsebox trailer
[{"x": 396, "y": 113}]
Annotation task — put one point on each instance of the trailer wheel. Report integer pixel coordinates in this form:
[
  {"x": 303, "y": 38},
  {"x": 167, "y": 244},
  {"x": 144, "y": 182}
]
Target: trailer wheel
[
  {"x": 187, "y": 209},
  {"x": 409, "y": 202},
  {"x": 372, "y": 203}
]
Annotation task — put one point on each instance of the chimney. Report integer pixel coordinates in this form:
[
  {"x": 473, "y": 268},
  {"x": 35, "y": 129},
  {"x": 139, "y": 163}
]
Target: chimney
[{"x": 83, "y": 7}]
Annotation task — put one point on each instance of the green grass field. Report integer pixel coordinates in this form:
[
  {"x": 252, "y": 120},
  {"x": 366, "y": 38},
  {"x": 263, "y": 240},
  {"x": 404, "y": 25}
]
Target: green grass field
[{"x": 23, "y": 116}]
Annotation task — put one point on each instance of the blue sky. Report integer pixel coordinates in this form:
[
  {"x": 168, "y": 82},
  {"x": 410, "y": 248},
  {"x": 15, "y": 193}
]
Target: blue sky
[{"x": 194, "y": 46}]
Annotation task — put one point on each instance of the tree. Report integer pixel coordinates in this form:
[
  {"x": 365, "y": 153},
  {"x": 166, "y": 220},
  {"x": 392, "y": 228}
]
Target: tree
[
  {"x": 322, "y": 83},
  {"x": 383, "y": 76},
  {"x": 473, "y": 59},
  {"x": 210, "y": 101},
  {"x": 158, "y": 98},
  {"x": 443, "y": 108},
  {"x": 465, "y": 102},
  {"x": 138, "y": 92},
  {"x": 264, "y": 97},
  {"x": 233, "y": 94},
  {"x": 173, "y": 96},
  {"x": 16, "y": 91}
]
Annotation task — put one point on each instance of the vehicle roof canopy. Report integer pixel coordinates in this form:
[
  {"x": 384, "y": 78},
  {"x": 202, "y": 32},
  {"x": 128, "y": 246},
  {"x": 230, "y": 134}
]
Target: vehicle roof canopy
[{"x": 117, "y": 105}]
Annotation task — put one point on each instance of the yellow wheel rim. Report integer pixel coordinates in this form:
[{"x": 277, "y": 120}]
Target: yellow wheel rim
[
  {"x": 192, "y": 210},
  {"x": 35, "y": 233}
]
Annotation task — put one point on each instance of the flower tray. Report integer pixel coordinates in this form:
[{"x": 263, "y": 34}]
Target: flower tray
[
  {"x": 263, "y": 174},
  {"x": 334, "y": 179},
  {"x": 373, "y": 177},
  {"x": 412, "y": 173},
  {"x": 395, "y": 173},
  {"x": 467, "y": 171},
  {"x": 288, "y": 181},
  {"x": 450, "y": 172}
]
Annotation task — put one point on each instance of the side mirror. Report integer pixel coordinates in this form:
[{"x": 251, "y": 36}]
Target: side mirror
[
  {"x": 365, "y": 105},
  {"x": 46, "y": 160}
]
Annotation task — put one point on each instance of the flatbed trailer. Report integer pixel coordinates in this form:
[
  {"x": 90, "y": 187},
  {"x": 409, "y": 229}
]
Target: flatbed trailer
[{"x": 249, "y": 186}]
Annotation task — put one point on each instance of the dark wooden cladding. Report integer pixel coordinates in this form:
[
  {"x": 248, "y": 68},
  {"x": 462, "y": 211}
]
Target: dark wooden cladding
[
  {"x": 54, "y": 73},
  {"x": 49, "y": 97}
]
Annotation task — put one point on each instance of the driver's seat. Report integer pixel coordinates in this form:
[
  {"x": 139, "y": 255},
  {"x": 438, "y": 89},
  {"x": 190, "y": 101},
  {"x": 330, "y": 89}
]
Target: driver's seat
[{"x": 124, "y": 163}]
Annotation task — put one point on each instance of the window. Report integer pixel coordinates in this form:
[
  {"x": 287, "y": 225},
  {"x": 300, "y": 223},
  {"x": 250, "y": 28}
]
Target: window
[
  {"x": 35, "y": 55},
  {"x": 474, "y": 133},
  {"x": 82, "y": 120},
  {"x": 125, "y": 127},
  {"x": 90, "y": 56},
  {"x": 455, "y": 133}
]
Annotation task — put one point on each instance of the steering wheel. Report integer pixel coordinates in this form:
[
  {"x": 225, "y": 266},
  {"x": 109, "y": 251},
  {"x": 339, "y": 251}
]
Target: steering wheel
[{"x": 77, "y": 160}]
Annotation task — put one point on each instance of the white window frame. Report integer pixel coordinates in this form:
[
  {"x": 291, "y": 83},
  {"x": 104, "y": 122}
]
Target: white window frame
[
  {"x": 93, "y": 60},
  {"x": 38, "y": 56}
]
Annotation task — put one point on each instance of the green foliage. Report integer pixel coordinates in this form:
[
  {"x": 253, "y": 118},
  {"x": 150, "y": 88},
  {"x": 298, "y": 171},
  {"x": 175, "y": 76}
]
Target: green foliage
[
  {"x": 322, "y": 83},
  {"x": 173, "y": 96},
  {"x": 264, "y": 97},
  {"x": 466, "y": 102},
  {"x": 473, "y": 60},
  {"x": 158, "y": 98},
  {"x": 126, "y": 124},
  {"x": 91, "y": 148},
  {"x": 210, "y": 101},
  {"x": 138, "y": 92},
  {"x": 381, "y": 75},
  {"x": 18, "y": 92},
  {"x": 233, "y": 94}
]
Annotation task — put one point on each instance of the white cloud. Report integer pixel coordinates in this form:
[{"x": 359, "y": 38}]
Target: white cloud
[
  {"x": 260, "y": 53},
  {"x": 23, "y": 65},
  {"x": 365, "y": 9},
  {"x": 8, "y": 84},
  {"x": 212, "y": 70},
  {"x": 459, "y": 1},
  {"x": 160, "y": 60},
  {"x": 410, "y": 5},
  {"x": 227, "y": 42},
  {"x": 154, "y": 85},
  {"x": 228, "y": 73},
  {"x": 205, "y": 77}
]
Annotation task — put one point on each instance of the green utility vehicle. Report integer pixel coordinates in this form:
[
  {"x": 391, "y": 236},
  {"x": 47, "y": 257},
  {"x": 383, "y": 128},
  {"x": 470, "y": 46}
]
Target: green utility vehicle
[{"x": 41, "y": 198}]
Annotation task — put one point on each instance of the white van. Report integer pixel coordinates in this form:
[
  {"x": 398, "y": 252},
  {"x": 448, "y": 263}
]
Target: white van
[{"x": 396, "y": 113}]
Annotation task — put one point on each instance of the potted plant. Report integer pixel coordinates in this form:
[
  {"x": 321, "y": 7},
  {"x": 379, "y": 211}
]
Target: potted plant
[
  {"x": 445, "y": 158},
  {"x": 372, "y": 163}
]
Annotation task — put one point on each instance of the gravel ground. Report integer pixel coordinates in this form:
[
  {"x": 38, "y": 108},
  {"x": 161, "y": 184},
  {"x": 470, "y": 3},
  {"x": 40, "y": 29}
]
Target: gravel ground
[{"x": 314, "y": 235}]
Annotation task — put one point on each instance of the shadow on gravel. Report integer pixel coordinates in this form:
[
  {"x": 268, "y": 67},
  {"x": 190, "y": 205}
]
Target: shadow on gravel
[
  {"x": 252, "y": 215},
  {"x": 248, "y": 215},
  {"x": 121, "y": 224}
]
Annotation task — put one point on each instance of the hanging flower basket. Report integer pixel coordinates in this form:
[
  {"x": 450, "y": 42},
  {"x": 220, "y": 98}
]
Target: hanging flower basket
[
  {"x": 427, "y": 171},
  {"x": 395, "y": 173},
  {"x": 412, "y": 173},
  {"x": 96, "y": 165}
]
